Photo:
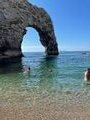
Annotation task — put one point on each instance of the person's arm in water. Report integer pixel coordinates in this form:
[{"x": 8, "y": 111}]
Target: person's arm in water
[{"x": 85, "y": 76}]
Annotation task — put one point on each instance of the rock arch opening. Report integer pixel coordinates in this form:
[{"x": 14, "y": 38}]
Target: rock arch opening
[{"x": 31, "y": 41}]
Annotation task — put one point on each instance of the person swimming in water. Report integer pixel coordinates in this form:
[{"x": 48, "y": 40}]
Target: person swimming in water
[
  {"x": 87, "y": 75},
  {"x": 26, "y": 69}
]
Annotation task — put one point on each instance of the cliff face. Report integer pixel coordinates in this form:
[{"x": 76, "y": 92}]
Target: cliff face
[{"x": 15, "y": 16}]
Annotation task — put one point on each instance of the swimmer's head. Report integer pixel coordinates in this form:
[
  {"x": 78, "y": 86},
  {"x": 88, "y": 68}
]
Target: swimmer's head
[
  {"x": 29, "y": 68},
  {"x": 89, "y": 69}
]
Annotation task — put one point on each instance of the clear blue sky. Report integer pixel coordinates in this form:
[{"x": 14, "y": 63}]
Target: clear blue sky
[{"x": 71, "y": 19}]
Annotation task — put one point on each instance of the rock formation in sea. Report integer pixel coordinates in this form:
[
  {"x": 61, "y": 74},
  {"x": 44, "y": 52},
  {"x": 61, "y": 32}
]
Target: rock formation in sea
[{"x": 15, "y": 16}]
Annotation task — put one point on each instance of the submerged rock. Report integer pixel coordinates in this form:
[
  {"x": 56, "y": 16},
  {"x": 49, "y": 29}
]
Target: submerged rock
[{"x": 15, "y": 16}]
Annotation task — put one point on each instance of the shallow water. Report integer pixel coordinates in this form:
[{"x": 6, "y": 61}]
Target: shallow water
[{"x": 55, "y": 77}]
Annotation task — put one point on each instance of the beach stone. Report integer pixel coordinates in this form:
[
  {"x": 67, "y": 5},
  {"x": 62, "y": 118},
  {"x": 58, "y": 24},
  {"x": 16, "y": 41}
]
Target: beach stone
[{"x": 15, "y": 16}]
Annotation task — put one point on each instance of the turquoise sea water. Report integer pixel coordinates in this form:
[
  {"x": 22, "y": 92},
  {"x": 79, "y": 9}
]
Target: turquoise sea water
[{"x": 54, "y": 75}]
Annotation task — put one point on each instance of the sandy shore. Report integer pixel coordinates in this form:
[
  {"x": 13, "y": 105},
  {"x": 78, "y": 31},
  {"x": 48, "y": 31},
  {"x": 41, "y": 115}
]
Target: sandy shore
[
  {"x": 40, "y": 105},
  {"x": 45, "y": 111}
]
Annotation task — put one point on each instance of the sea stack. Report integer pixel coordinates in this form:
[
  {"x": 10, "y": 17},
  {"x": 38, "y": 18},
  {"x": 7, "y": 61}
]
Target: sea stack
[{"x": 15, "y": 16}]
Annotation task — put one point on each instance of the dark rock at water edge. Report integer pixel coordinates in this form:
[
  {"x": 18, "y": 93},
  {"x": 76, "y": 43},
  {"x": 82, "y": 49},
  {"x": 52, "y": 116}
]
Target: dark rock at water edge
[{"x": 15, "y": 16}]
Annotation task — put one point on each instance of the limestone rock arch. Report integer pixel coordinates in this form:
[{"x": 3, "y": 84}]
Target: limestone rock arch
[{"x": 15, "y": 16}]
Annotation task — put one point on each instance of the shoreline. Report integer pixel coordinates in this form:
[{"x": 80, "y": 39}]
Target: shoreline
[
  {"x": 45, "y": 111},
  {"x": 22, "y": 106}
]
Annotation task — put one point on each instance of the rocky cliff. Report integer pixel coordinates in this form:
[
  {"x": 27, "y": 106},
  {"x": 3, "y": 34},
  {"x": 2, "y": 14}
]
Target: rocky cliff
[{"x": 15, "y": 16}]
